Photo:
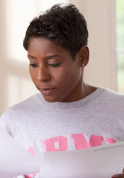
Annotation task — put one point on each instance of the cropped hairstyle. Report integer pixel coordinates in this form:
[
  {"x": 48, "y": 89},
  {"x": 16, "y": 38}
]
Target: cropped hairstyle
[{"x": 61, "y": 24}]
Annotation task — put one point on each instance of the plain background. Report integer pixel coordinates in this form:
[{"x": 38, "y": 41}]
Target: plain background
[{"x": 15, "y": 15}]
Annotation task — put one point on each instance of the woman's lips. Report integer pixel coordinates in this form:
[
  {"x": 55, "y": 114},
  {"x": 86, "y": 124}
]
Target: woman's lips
[{"x": 46, "y": 91}]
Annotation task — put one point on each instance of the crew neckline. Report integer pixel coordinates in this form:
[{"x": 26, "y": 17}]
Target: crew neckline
[{"x": 75, "y": 104}]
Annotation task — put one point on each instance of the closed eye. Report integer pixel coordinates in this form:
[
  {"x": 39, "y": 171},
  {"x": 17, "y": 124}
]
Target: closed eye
[
  {"x": 54, "y": 64},
  {"x": 33, "y": 65}
]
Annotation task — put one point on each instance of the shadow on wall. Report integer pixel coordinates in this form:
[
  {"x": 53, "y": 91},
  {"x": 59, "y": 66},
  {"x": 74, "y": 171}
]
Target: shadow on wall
[{"x": 16, "y": 84}]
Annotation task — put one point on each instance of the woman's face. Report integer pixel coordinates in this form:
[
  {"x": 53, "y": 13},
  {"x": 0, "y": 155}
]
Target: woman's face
[{"x": 55, "y": 74}]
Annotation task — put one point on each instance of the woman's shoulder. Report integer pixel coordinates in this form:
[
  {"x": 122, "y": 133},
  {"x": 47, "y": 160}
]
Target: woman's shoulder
[
  {"x": 23, "y": 106},
  {"x": 112, "y": 100},
  {"x": 113, "y": 95}
]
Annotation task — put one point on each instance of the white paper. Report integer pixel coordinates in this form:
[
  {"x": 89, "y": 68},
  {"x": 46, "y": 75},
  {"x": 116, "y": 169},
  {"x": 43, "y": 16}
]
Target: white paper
[
  {"x": 96, "y": 162},
  {"x": 14, "y": 160}
]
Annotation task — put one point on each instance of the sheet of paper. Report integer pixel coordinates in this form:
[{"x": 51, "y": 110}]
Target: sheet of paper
[
  {"x": 96, "y": 162},
  {"x": 14, "y": 160}
]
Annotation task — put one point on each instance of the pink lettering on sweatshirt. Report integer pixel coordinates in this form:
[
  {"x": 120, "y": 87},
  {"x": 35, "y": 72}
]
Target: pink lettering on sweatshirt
[
  {"x": 80, "y": 141},
  {"x": 110, "y": 140},
  {"x": 56, "y": 144},
  {"x": 34, "y": 174}
]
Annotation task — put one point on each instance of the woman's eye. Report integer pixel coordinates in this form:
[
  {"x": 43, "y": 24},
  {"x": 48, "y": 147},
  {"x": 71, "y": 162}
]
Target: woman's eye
[
  {"x": 33, "y": 65},
  {"x": 54, "y": 65}
]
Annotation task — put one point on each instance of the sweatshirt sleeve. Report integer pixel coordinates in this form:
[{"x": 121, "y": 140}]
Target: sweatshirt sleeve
[{"x": 2, "y": 122}]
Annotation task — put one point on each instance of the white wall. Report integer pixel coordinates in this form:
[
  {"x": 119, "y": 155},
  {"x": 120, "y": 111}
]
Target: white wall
[
  {"x": 15, "y": 16},
  {"x": 100, "y": 16}
]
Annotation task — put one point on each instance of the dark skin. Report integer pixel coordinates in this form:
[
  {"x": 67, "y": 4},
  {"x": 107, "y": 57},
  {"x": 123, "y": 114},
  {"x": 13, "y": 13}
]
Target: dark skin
[
  {"x": 119, "y": 175},
  {"x": 56, "y": 75}
]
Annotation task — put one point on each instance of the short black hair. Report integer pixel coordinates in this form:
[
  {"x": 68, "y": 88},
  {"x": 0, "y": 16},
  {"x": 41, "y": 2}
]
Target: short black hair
[{"x": 62, "y": 24}]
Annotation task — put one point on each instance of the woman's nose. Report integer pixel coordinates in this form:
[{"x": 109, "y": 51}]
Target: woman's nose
[{"x": 43, "y": 74}]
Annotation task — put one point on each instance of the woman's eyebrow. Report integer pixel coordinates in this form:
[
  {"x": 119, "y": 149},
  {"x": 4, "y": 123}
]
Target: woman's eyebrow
[
  {"x": 52, "y": 56},
  {"x": 46, "y": 57},
  {"x": 31, "y": 56}
]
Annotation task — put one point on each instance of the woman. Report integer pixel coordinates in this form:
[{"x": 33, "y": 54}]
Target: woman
[{"x": 67, "y": 113}]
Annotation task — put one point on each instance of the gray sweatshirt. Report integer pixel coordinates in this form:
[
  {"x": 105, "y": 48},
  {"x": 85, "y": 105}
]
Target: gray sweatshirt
[{"x": 40, "y": 126}]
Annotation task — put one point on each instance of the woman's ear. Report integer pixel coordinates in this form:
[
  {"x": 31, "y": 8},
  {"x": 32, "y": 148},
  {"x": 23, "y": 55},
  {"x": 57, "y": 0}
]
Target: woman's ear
[{"x": 84, "y": 56}]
